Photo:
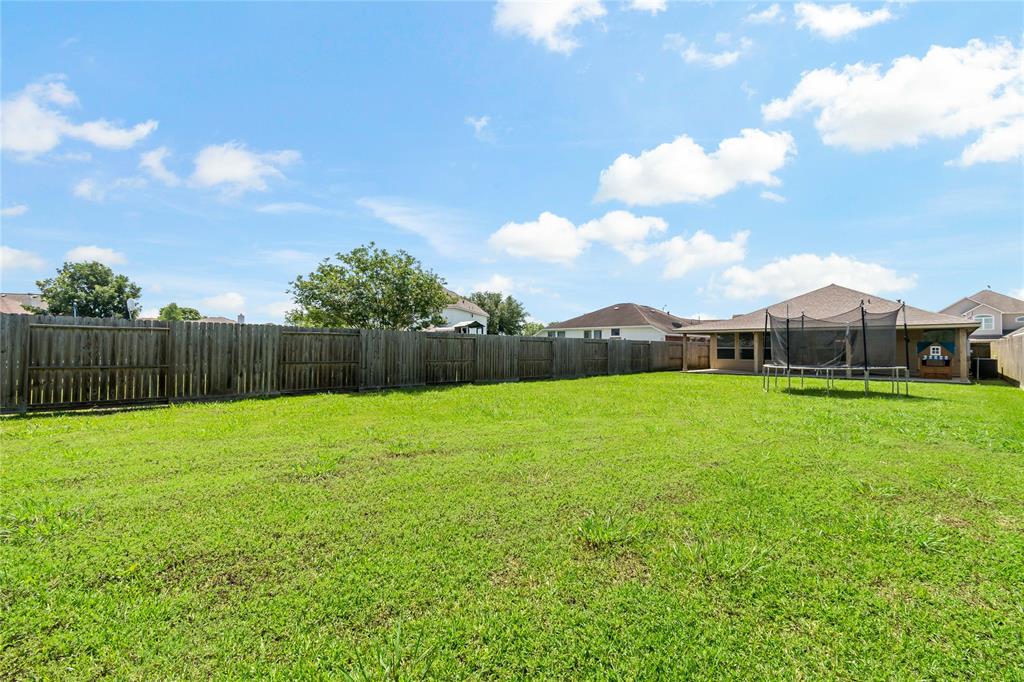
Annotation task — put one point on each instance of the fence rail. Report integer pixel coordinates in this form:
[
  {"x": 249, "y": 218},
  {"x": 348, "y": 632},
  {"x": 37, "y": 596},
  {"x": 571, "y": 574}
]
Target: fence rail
[
  {"x": 1009, "y": 355},
  {"x": 49, "y": 363}
]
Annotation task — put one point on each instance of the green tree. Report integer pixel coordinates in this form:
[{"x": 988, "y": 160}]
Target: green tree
[
  {"x": 172, "y": 312},
  {"x": 91, "y": 287},
  {"x": 531, "y": 328},
  {"x": 370, "y": 288},
  {"x": 504, "y": 315}
]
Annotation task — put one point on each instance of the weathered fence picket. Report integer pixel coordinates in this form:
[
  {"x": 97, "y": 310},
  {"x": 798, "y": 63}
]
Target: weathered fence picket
[{"x": 49, "y": 363}]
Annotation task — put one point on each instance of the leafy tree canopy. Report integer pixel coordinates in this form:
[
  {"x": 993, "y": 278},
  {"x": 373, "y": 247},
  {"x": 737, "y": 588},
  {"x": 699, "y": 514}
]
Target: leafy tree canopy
[
  {"x": 94, "y": 288},
  {"x": 531, "y": 328},
  {"x": 370, "y": 288},
  {"x": 172, "y": 312},
  {"x": 505, "y": 315}
]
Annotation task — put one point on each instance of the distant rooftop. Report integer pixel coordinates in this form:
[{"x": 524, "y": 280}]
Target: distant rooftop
[{"x": 626, "y": 315}]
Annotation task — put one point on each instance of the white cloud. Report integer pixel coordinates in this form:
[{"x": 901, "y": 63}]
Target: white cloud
[
  {"x": 153, "y": 163},
  {"x": 441, "y": 228},
  {"x": 16, "y": 259},
  {"x": 772, "y": 14},
  {"x": 289, "y": 207},
  {"x": 479, "y": 125},
  {"x": 1019, "y": 293},
  {"x": 104, "y": 255},
  {"x": 692, "y": 54},
  {"x": 12, "y": 211},
  {"x": 277, "y": 309},
  {"x": 86, "y": 189},
  {"x": 1000, "y": 143},
  {"x": 496, "y": 282},
  {"x": 150, "y": 313},
  {"x": 237, "y": 169},
  {"x": 835, "y": 21},
  {"x": 32, "y": 123},
  {"x": 652, "y": 6},
  {"x": 288, "y": 257},
  {"x": 681, "y": 171},
  {"x": 230, "y": 302},
  {"x": 772, "y": 196},
  {"x": 702, "y": 250},
  {"x": 799, "y": 273},
  {"x": 555, "y": 239},
  {"x": 625, "y": 232},
  {"x": 550, "y": 238},
  {"x": 948, "y": 93},
  {"x": 549, "y": 22},
  {"x": 91, "y": 190}
]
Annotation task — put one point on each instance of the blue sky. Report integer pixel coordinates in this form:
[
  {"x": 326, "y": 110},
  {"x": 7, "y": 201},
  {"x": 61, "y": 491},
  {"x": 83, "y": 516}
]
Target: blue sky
[{"x": 568, "y": 153}]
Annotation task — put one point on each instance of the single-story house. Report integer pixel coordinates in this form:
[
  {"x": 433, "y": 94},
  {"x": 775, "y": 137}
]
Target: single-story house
[
  {"x": 462, "y": 316},
  {"x": 14, "y": 304},
  {"x": 738, "y": 344},
  {"x": 621, "y": 321},
  {"x": 997, "y": 315}
]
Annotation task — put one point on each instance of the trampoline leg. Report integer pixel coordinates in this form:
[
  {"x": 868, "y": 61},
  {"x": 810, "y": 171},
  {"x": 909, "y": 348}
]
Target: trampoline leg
[{"x": 865, "y": 382}]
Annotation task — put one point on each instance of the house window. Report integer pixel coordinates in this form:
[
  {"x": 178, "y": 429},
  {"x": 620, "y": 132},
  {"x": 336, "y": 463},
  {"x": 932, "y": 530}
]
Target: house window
[
  {"x": 560, "y": 334},
  {"x": 935, "y": 351},
  {"x": 597, "y": 333},
  {"x": 768, "y": 346},
  {"x": 586, "y": 333},
  {"x": 987, "y": 322},
  {"x": 615, "y": 331},
  {"x": 1020, "y": 318},
  {"x": 747, "y": 346},
  {"x": 726, "y": 344},
  {"x": 551, "y": 335}
]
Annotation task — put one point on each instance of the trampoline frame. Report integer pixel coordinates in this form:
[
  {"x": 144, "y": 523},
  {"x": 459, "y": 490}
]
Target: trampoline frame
[{"x": 897, "y": 375}]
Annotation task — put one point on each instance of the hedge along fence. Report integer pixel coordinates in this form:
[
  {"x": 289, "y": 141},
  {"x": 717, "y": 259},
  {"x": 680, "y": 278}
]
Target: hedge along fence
[{"x": 50, "y": 363}]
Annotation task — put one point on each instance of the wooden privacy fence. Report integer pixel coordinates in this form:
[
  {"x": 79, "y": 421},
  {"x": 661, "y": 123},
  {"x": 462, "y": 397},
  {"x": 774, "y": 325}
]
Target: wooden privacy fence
[
  {"x": 1009, "y": 355},
  {"x": 49, "y": 363}
]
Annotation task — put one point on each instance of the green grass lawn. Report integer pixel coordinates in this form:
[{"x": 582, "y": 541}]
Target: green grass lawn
[{"x": 652, "y": 526}]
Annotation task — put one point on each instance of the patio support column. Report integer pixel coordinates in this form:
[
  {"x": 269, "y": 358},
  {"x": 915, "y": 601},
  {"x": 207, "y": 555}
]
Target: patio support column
[
  {"x": 963, "y": 352},
  {"x": 713, "y": 352},
  {"x": 758, "y": 351}
]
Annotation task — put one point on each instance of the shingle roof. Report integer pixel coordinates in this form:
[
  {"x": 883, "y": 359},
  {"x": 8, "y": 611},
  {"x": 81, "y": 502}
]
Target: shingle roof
[
  {"x": 994, "y": 299},
  {"x": 626, "y": 315},
  {"x": 829, "y": 301},
  {"x": 15, "y": 303},
  {"x": 462, "y": 303}
]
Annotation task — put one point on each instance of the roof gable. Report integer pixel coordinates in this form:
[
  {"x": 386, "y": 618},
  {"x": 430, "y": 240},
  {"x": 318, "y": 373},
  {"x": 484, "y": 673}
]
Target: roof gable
[
  {"x": 464, "y": 304},
  {"x": 998, "y": 301}
]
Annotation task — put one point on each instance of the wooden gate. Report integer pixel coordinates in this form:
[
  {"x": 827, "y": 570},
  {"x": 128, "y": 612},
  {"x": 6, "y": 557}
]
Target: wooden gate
[
  {"x": 535, "y": 358},
  {"x": 81, "y": 365},
  {"x": 319, "y": 360},
  {"x": 639, "y": 356}
]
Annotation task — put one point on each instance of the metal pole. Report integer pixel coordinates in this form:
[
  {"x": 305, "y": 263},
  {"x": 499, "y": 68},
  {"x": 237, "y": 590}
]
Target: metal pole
[
  {"x": 864, "y": 335},
  {"x": 906, "y": 347}
]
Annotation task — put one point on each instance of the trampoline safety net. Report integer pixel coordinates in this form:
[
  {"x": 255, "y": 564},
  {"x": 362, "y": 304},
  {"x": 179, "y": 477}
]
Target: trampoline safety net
[{"x": 854, "y": 339}]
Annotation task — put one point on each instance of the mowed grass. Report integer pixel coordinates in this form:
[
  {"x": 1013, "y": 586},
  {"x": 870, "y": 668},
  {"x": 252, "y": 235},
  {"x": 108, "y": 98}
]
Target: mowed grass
[{"x": 650, "y": 526}]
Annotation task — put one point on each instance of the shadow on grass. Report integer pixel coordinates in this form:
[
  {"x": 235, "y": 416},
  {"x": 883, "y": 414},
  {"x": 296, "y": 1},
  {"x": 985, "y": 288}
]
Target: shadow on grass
[{"x": 846, "y": 394}]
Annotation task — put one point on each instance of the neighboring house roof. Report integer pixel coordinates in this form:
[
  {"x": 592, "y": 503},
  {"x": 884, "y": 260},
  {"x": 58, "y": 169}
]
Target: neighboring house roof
[
  {"x": 626, "y": 315},
  {"x": 15, "y": 303},
  {"x": 829, "y": 301},
  {"x": 220, "y": 320},
  {"x": 463, "y": 303},
  {"x": 994, "y": 300}
]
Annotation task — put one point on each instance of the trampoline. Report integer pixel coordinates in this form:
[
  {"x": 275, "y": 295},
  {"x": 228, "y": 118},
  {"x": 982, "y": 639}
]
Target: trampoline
[{"x": 853, "y": 343}]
